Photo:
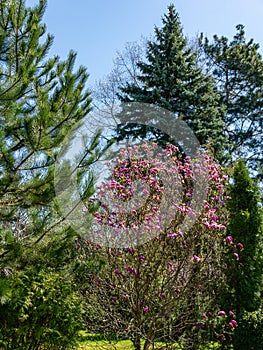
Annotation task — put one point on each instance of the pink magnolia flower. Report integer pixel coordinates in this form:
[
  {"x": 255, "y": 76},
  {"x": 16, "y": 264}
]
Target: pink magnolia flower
[
  {"x": 172, "y": 235},
  {"x": 236, "y": 256},
  {"x": 196, "y": 258},
  {"x": 234, "y": 322},
  {"x": 132, "y": 270},
  {"x": 130, "y": 250},
  {"x": 231, "y": 325},
  {"x": 240, "y": 246},
  {"x": 146, "y": 309},
  {"x": 141, "y": 258},
  {"x": 229, "y": 239},
  {"x": 221, "y": 313},
  {"x": 204, "y": 316},
  {"x": 152, "y": 182},
  {"x": 231, "y": 313}
]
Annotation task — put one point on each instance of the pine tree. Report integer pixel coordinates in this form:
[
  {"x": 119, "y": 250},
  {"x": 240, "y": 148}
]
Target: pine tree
[
  {"x": 237, "y": 68},
  {"x": 171, "y": 79},
  {"x": 41, "y": 98},
  {"x": 245, "y": 277}
]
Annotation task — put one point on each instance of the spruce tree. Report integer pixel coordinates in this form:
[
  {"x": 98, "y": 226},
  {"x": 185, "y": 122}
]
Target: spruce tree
[
  {"x": 237, "y": 68},
  {"x": 170, "y": 78}
]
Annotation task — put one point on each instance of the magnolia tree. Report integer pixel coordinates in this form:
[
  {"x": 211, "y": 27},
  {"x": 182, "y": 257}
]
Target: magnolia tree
[{"x": 162, "y": 237}]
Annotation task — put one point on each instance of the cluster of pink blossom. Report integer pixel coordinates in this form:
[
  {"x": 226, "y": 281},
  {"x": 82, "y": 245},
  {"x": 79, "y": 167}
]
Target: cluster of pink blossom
[
  {"x": 236, "y": 247},
  {"x": 121, "y": 187},
  {"x": 147, "y": 188},
  {"x": 226, "y": 319},
  {"x": 233, "y": 323}
]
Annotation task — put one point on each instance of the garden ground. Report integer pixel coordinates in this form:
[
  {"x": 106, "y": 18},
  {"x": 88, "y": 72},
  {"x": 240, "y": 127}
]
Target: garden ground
[{"x": 92, "y": 342}]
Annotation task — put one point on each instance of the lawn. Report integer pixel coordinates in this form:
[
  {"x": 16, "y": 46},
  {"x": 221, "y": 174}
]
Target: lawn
[
  {"x": 92, "y": 342},
  {"x": 100, "y": 344},
  {"x": 95, "y": 341}
]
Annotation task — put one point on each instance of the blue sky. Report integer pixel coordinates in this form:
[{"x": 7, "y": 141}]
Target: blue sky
[{"x": 96, "y": 29}]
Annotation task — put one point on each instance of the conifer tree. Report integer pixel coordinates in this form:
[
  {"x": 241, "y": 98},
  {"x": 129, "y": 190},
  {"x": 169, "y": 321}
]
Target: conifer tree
[
  {"x": 245, "y": 277},
  {"x": 237, "y": 68},
  {"x": 41, "y": 98},
  {"x": 171, "y": 79}
]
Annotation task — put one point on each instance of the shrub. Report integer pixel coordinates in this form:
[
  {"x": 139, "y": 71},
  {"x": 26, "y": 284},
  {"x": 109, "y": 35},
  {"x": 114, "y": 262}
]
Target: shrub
[
  {"x": 42, "y": 312},
  {"x": 249, "y": 333}
]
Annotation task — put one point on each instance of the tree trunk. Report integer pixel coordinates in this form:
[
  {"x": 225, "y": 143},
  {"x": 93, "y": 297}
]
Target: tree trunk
[
  {"x": 146, "y": 345},
  {"x": 137, "y": 342}
]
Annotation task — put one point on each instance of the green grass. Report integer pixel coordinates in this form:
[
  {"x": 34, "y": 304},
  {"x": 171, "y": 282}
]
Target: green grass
[
  {"x": 90, "y": 341},
  {"x": 100, "y": 344},
  {"x": 95, "y": 341}
]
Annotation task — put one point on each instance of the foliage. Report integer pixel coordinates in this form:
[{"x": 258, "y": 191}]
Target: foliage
[
  {"x": 43, "y": 312},
  {"x": 237, "y": 70},
  {"x": 40, "y": 99},
  {"x": 249, "y": 334},
  {"x": 245, "y": 225},
  {"x": 244, "y": 284}
]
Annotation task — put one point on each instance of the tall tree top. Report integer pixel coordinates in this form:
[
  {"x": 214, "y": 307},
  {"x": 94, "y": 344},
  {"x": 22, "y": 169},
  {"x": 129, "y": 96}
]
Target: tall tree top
[
  {"x": 171, "y": 25},
  {"x": 170, "y": 78},
  {"x": 41, "y": 98},
  {"x": 237, "y": 68}
]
